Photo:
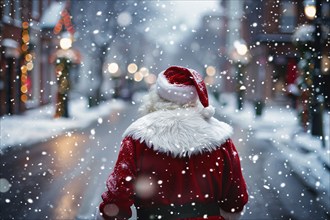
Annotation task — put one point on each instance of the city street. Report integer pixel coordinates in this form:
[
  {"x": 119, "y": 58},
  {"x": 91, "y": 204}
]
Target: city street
[
  {"x": 63, "y": 178},
  {"x": 72, "y": 76},
  {"x": 275, "y": 192}
]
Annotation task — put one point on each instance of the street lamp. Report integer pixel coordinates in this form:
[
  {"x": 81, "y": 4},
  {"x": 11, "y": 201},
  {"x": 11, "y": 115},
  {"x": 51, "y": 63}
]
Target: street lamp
[
  {"x": 312, "y": 6},
  {"x": 113, "y": 69},
  {"x": 65, "y": 43},
  {"x": 132, "y": 68},
  {"x": 310, "y": 9},
  {"x": 241, "y": 48},
  {"x": 240, "y": 57},
  {"x": 64, "y": 58},
  {"x": 116, "y": 74},
  {"x": 211, "y": 81}
]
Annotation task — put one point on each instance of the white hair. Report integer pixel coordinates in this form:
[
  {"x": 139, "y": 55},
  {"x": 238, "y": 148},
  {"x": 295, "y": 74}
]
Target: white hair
[{"x": 153, "y": 102}]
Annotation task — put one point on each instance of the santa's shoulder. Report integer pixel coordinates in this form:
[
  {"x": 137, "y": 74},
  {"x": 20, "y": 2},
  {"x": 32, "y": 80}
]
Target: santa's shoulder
[{"x": 179, "y": 132}]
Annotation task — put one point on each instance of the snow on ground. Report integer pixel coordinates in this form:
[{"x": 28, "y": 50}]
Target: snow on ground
[
  {"x": 38, "y": 124},
  {"x": 309, "y": 160},
  {"x": 278, "y": 124}
]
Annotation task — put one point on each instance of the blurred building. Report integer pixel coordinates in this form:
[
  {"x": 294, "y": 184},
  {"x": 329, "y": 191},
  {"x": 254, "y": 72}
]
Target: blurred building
[
  {"x": 267, "y": 28},
  {"x": 232, "y": 17},
  {"x": 26, "y": 76}
]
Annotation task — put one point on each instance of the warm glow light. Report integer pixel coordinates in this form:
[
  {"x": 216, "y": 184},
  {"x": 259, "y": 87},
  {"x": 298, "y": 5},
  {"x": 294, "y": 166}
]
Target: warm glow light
[
  {"x": 23, "y": 78},
  {"x": 25, "y": 38},
  {"x": 310, "y": 11},
  {"x": 24, "y": 98},
  {"x": 24, "y": 47},
  {"x": 240, "y": 48},
  {"x": 25, "y": 25},
  {"x": 29, "y": 66},
  {"x": 150, "y": 79},
  {"x": 138, "y": 76},
  {"x": 113, "y": 67},
  {"x": 24, "y": 89},
  {"x": 59, "y": 67},
  {"x": 66, "y": 43},
  {"x": 209, "y": 80},
  {"x": 325, "y": 64},
  {"x": 132, "y": 68},
  {"x": 24, "y": 69},
  {"x": 28, "y": 57},
  {"x": 144, "y": 71},
  {"x": 210, "y": 70}
]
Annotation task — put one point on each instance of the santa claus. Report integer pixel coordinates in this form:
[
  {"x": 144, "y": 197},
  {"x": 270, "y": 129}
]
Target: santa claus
[{"x": 177, "y": 161}]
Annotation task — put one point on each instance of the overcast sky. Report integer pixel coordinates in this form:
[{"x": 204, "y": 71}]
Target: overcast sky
[
  {"x": 182, "y": 18},
  {"x": 191, "y": 11}
]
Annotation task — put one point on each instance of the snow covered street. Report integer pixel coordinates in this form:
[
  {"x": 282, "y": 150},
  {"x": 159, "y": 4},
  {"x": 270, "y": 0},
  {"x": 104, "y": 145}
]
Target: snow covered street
[
  {"x": 63, "y": 175},
  {"x": 284, "y": 179},
  {"x": 38, "y": 125},
  {"x": 299, "y": 157},
  {"x": 148, "y": 110}
]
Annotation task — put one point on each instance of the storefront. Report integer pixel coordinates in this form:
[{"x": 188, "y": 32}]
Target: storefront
[{"x": 9, "y": 77}]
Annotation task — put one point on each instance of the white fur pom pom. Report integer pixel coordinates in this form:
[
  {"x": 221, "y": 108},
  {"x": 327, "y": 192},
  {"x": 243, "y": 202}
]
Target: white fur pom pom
[{"x": 208, "y": 112}]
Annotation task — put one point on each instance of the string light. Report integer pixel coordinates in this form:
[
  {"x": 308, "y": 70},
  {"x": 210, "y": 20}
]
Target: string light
[
  {"x": 27, "y": 62},
  {"x": 65, "y": 21}
]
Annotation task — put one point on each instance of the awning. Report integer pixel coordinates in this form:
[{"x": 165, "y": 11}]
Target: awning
[
  {"x": 11, "y": 47},
  {"x": 51, "y": 16},
  {"x": 7, "y": 42},
  {"x": 274, "y": 38}
]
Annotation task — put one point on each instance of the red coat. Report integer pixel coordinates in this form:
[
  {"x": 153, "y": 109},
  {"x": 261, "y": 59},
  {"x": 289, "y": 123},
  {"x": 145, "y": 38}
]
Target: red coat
[{"x": 148, "y": 176}]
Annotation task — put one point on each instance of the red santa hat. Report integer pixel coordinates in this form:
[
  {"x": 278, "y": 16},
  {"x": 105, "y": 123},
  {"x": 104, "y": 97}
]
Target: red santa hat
[{"x": 182, "y": 86}]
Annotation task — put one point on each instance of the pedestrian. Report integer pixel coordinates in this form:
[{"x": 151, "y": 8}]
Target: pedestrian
[{"x": 177, "y": 161}]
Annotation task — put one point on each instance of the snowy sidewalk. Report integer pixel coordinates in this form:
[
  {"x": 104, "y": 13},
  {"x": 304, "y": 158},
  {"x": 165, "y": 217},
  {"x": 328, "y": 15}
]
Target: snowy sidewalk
[
  {"x": 37, "y": 125},
  {"x": 280, "y": 126}
]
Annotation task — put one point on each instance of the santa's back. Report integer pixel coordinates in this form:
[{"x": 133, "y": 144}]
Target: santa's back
[{"x": 177, "y": 161}]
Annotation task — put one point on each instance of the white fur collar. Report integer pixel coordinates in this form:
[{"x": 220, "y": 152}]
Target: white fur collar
[{"x": 179, "y": 132}]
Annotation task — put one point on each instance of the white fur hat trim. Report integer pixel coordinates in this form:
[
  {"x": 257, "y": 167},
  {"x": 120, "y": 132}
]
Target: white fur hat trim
[{"x": 180, "y": 94}]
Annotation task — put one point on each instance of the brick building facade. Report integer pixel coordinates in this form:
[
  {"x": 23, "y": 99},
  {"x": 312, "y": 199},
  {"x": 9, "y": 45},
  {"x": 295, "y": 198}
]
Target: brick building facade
[{"x": 25, "y": 71}]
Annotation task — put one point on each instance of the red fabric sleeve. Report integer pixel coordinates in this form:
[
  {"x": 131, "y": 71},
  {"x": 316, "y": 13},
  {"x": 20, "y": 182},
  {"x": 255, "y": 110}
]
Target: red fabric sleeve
[
  {"x": 234, "y": 194},
  {"x": 118, "y": 199}
]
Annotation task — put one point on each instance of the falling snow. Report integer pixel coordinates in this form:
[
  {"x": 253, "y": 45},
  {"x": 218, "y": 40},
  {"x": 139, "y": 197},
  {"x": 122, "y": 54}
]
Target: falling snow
[{"x": 258, "y": 61}]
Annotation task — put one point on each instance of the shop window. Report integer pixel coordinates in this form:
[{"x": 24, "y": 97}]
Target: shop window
[
  {"x": 288, "y": 20},
  {"x": 7, "y": 9},
  {"x": 45, "y": 5},
  {"x": 326, "y": 10},
  {"x": 17, "y": 10},
  {"x": 35, "y": 8}
]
